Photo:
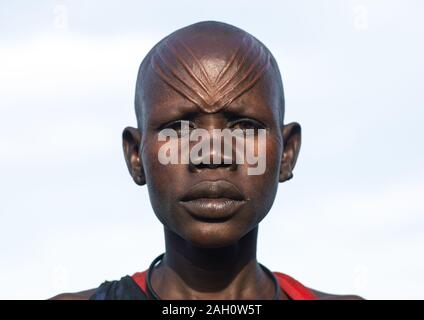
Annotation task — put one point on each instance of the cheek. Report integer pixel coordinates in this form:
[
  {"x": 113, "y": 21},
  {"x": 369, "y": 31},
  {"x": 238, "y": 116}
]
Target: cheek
[
  {"x": 273, "y": 158},
  {"x": 152, "y": 166},
  {"x": 264, "y": 187},
  {"x": 267, "y": 156},
  {"x": 163, "y": 181}
]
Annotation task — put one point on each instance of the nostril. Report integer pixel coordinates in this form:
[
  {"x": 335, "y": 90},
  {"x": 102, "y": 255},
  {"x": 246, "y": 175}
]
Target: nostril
[
  {"x": 211, "y": 161},
  {"x": 212, "y": 165},
  {"x": 202, "y": 166}
]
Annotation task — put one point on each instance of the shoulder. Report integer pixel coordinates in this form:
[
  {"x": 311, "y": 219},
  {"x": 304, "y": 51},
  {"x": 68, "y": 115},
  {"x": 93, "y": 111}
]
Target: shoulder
[
  {"x": 297, "y": 290},
  {"x": 81, "y": 295},
  {"x": 329, "y": 296},
  {"x": 124, "y": 289}
]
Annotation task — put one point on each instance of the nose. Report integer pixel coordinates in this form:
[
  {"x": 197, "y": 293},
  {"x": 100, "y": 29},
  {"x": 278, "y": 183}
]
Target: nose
[{"x": 215, "y": 157}]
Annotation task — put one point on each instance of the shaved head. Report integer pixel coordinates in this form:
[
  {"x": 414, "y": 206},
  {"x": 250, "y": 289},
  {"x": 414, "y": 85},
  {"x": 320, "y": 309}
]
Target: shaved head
[
  {"x": 213, "y": 78},
  {"x": 209, "y": 63}
]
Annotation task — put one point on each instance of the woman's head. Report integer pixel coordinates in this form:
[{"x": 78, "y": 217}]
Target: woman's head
[{"x": 212, "y": 76}]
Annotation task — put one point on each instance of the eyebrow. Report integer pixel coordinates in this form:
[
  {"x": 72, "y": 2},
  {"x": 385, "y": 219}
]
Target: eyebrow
[{"x": 190, "y": 112}]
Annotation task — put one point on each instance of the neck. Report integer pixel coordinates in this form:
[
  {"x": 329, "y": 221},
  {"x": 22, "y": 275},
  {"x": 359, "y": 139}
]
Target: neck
[{"x": 232, "y": 272}]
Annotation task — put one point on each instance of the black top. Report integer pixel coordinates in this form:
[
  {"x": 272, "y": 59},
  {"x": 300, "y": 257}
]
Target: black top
[{"x": 124, "y": 289}]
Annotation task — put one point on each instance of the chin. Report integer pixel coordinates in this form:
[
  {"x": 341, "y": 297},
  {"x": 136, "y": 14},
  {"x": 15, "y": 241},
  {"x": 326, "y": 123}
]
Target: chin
[{"x": 211, "y": 235}]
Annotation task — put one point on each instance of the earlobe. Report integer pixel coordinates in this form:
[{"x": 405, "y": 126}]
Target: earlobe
[
  {"x": 291, "y": 146},
  {"x": 131, "y": 139}
]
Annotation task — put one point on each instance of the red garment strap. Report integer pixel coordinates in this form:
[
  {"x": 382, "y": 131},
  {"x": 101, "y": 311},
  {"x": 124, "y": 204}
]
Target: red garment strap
[
  {"x": 293, "y": 288},
  {"x": 140, "y": 279}
]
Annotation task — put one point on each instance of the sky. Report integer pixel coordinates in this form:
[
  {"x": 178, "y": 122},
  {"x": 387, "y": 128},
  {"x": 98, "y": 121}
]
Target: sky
[{"x": 350, "y": 221}]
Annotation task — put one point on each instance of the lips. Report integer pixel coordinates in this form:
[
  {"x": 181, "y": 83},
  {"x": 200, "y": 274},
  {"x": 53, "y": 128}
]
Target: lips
[{"x": 213, "y": 201}]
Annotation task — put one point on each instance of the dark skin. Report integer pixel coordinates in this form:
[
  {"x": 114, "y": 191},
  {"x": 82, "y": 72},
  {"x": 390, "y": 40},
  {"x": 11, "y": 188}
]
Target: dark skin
[{"x": 210, "y": 258}]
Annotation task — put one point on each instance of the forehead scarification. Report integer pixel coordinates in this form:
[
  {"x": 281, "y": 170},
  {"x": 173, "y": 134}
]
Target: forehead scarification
[{"x": 211, "y": 75}]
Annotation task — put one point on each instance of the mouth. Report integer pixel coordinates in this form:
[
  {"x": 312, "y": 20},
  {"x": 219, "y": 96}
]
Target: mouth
[{"x": 213, "y": 201}]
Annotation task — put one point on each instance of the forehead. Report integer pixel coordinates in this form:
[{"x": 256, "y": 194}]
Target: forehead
[{"x": 162, "y": 101}]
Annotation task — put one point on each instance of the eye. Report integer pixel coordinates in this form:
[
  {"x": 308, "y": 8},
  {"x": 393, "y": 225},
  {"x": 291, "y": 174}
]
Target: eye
[
  {"x": 177, "y": 125},
  {"x": 246, "y": 123}
]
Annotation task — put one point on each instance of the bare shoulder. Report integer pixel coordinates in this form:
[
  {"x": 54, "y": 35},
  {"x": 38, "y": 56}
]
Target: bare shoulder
[
  {"x": 329, "y": 296},
  {"x": 82, "y": 295}
]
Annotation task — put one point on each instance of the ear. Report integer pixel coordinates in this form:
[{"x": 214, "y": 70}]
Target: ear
[
  {"x": 291, "y": 140},
  {"x": 131, "y": 139}
]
